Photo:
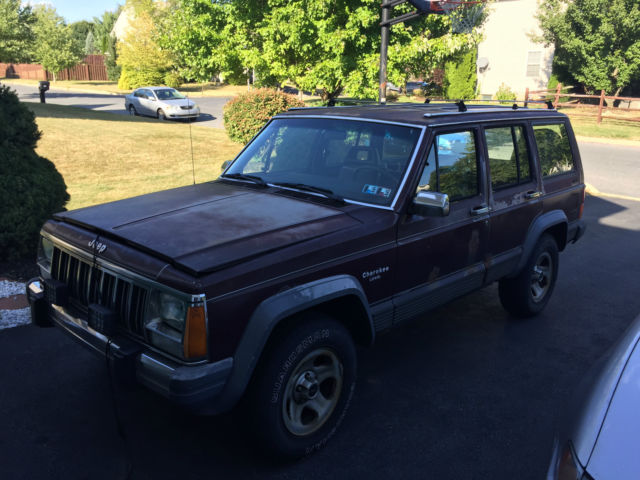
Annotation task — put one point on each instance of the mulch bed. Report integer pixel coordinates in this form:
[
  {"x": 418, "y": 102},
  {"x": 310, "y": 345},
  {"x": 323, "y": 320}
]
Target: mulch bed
[{"x": 19, "y": 270}]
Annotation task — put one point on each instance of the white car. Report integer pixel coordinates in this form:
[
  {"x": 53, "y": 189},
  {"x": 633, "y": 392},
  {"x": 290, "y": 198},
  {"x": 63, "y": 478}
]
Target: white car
[{"x": 161, "y": 102}]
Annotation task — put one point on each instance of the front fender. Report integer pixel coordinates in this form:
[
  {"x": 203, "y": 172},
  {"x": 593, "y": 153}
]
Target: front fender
[{"x": 272, "y": 311}]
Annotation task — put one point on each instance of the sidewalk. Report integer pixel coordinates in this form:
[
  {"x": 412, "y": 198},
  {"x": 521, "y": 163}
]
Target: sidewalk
[{"x": 14, "y": 308}]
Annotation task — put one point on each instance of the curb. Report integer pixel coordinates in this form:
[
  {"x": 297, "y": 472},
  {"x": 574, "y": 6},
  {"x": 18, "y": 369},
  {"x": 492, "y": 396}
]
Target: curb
[{"x": 609, "y": 141}]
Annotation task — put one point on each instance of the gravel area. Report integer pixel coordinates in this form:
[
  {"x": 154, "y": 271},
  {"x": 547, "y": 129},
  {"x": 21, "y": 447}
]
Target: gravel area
[{"x": 13, "y": 318}]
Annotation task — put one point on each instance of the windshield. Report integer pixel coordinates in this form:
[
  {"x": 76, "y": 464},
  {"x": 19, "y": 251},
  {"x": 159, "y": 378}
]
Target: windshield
[
  {"x": 168, "y": 94},
  {"x": 357, "y": 160}
]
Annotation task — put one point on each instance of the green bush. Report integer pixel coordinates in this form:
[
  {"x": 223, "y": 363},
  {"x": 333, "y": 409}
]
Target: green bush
[
  {"x": 460, "y": 77},
  {"x": 504, "y": 94},
  {"x": 31, "y": 189},
  {"x": 130, "y": 79},
  {"x": 173, "y": 80},
  {"x": 246, "y": 114}
]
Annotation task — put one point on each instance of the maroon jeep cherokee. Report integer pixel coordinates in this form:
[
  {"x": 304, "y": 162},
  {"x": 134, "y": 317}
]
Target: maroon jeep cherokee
[{"x": 332, "y": 225}]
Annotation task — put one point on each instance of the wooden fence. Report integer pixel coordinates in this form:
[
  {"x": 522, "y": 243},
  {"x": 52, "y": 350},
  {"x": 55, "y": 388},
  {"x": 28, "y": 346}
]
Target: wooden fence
[
  {"x": 605, "y": 102},
  {"x": 91, "y": 68}
]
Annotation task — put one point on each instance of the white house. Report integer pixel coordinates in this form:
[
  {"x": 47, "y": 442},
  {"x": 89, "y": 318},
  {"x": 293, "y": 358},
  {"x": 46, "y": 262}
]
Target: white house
[{"x": 508, "y": 55}]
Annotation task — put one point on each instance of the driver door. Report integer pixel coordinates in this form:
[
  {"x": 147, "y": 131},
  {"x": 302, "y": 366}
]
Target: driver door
[{"x": 440, "y": 258}]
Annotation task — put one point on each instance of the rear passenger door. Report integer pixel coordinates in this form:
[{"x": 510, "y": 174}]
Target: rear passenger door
[
  {"x": 440, "y": 258},
  {"x": 515, "y": 196}
]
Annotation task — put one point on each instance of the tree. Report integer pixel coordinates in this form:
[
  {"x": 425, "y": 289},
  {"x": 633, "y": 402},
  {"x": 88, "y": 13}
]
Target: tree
[
  {"x": 192, "y": 30},
  {"x": 332, "y": 45},
  {"x": 102, "y": 28},
  {"x": 597, "y": 42},
  {"x": 16, "y": 31},
  {"x": 80, "y": 30},
  {"x": 56, "y": 48},
  {"x": 142, "y": 59},
  {"x": 89, "y": 44},
  {"x": 460, "y": 77}
]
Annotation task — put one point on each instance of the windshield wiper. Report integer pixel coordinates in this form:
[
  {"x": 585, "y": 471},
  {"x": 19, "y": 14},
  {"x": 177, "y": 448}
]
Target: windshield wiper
[
  {"x": 310, "y": 188},
  {"x": 242, "y": 176}
]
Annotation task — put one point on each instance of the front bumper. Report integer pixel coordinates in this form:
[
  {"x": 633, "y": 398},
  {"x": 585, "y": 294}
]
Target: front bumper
[
  {"x": 193, "y": 113},
  {"x": 195, "y": 387}
]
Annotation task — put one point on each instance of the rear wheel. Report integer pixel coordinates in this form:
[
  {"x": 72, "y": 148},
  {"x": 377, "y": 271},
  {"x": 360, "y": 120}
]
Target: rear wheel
[
  {"x": 528, "y": 293},
  {"x": 132, "y": 111},
  {"x": 302, "y": 388}
]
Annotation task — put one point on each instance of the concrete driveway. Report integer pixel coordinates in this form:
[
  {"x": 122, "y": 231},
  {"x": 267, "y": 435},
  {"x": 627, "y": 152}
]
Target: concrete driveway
[{"x": 210, "y": 107}]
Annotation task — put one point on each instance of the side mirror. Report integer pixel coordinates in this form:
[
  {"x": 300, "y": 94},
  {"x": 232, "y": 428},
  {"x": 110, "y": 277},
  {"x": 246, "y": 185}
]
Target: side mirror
[
  {"x": 431, "y": 204},
  {"x": 225, "y": 164}
]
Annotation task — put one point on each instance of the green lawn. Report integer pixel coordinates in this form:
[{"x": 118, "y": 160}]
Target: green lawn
[{"x": 104, "y": 157}]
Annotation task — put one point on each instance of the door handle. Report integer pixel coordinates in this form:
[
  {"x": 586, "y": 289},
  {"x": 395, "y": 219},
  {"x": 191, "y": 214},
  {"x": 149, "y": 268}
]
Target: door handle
[
  {"x": 479, "y": 210},
  {"x": 532, "y": 194}
]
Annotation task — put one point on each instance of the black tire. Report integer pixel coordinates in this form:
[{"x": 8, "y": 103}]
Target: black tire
[
  {"x": 527, "y": 294},
  {"x": 132, "y": 111},
  {"x": 161, "y": 115},
  {"x": 302, "y": 387}
]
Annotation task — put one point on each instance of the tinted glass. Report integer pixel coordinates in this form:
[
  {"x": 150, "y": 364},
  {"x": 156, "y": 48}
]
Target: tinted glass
[
  {"x": 457, "y": 165},
  {"x": 553, "y": 148},
  {"x": 451, "y": 166},
  {"x": 357, "y": 160},
  {"x": 502, "y": 157},
  {"x": 508, "y": 156}
]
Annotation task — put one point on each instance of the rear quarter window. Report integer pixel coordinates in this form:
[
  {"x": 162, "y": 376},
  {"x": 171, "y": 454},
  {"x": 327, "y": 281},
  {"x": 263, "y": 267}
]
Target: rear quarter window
[{"x": 554, "y": 149}]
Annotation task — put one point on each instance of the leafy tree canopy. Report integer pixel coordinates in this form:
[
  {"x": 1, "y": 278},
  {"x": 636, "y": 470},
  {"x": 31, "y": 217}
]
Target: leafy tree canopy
[
  {"x": 102, "y": 27},
  {"x": 55, "y": 47},
  {"x": 597, "y": 41},
  {"x": 141, "y": 57},
  {"x": 332, "y": 45},
  {"x": 16, "y": 31}
]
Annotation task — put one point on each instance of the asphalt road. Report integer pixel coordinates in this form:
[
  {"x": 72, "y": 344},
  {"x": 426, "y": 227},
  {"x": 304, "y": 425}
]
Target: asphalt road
[
  {"x": 210, "y": 107},
  {"x": 611, "y": 169}
]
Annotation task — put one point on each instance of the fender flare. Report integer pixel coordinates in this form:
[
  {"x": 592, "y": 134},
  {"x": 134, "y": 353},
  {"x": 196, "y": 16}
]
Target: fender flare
[
  {"x": 536, "y": 229},
  {"x": 269, "y": 313}
]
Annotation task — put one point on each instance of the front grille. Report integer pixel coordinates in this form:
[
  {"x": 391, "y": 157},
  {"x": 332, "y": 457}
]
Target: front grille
[
  {"x": 88, "y": 284},
  {"x": 185, "y": 108}
]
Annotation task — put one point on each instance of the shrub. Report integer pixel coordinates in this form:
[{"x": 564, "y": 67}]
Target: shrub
[
  {"x": 130, "y": 79},
  {"x": 31, "y": 189},
  {"x": 245, "y": 115},
  {"x": 504, "y": 94},
  {"x": 173, "y": 80},
  {"x": 460, "y": 77}
]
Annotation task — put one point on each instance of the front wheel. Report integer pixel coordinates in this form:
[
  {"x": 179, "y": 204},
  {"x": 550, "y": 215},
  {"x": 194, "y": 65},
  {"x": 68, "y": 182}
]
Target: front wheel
[
  {"x": 161, "y": 115},
  {"x": 528, "y": 293},
  {"x": 302, "y": 388}
]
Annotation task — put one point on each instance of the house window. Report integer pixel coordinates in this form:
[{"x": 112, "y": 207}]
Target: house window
[{"x": 533, "y": 64}]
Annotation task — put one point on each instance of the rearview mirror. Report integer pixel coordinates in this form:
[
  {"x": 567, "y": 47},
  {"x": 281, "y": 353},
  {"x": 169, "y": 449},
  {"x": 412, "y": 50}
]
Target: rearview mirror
[
  {"x": 225, "y": 164},
  {"x": 431, "y": 204}
]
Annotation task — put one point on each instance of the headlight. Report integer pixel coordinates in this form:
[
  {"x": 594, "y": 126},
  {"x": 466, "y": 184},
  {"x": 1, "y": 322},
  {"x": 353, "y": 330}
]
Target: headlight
[
  {"x": 45, "y": 254},
  {"x": 176, "y": 326}
]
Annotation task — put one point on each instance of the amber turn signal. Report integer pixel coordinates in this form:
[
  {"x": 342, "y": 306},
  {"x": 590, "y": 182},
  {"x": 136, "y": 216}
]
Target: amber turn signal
[{"x": 195, "y": 334}]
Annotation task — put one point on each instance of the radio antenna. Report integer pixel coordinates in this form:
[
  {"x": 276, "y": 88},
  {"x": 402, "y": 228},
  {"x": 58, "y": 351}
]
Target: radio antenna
[{"x": 193, "y": 163}]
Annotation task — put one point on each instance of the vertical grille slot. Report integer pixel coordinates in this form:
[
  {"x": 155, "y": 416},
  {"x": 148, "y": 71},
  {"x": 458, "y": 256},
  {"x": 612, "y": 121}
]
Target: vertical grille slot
[{"x": 89, "y": 284}]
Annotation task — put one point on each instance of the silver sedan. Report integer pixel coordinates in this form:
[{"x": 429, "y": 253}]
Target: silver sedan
[
  {"x": 600, "y": 437},
  {"x": 160, "y": 102}
]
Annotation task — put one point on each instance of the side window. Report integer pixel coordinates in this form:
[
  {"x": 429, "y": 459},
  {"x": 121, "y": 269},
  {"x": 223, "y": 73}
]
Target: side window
[
  {"x": 553, "y": 148},
  {"x": 508, "y": 156},
  {"x": 452, "y": 166}
]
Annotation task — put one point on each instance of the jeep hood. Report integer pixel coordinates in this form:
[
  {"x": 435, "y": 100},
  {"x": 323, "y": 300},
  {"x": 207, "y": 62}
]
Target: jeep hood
[{"x": 202, "y": 228}]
